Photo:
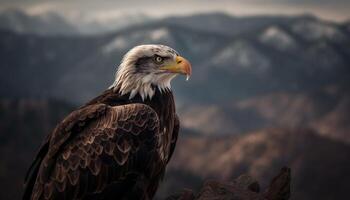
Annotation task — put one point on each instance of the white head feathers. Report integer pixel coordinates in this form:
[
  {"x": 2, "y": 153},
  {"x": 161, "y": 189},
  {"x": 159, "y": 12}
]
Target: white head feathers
[{"x": 137, "y": 73}]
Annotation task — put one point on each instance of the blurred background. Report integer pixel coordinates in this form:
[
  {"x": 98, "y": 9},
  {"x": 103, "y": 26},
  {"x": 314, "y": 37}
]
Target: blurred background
[{"x": 270, "y": 84}]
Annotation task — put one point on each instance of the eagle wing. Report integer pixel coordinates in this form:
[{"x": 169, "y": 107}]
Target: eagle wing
[
  {"x": 93, "y": 148},
  {"x": 174, "y": 136}
]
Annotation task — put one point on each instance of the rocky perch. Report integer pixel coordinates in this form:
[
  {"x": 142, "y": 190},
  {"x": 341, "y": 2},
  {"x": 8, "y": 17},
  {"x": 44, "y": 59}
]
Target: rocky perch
[{"x": 243, "y": 188}]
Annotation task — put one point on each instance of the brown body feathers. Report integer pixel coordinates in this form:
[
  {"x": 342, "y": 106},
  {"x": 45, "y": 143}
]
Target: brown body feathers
[{"x": 111, "y": 148}]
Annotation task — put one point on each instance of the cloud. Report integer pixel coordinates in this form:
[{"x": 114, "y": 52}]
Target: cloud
[{"x": 333, "y": 10}]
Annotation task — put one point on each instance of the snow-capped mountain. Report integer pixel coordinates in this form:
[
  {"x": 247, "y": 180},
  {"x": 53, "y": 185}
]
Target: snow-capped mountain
[
  {"x": 315, "y": 30},
  {"x": 241, "y": 55},
  {"x": 104, "y": 22},
  {"x": 278, "y": 38},
  {"x": 73, "y": 23},
  {"x": 276, "y": 56},
  {"x": 127, "y": 41},
  {"x": 48, "y": 23}
]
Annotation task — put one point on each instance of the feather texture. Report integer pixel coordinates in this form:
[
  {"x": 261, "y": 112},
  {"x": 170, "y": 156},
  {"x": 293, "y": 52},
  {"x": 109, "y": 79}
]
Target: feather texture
[{"x": 107, "y": 149}]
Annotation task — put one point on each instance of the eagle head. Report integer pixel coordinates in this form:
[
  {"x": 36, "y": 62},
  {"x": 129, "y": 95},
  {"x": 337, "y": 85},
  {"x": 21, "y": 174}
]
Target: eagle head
[{"x": 148, "y": 67}]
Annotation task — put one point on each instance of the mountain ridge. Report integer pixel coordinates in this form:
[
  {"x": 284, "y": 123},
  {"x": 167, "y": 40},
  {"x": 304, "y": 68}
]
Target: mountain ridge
[{"x": 227, "y": 71}]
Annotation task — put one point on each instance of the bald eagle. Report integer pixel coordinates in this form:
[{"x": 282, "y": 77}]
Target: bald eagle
[{"x": 117, "y": 145}]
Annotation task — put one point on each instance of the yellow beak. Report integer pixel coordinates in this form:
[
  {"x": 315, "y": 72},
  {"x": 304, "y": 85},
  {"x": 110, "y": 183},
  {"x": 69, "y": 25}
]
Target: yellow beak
[{"x": 181, "y": 66}]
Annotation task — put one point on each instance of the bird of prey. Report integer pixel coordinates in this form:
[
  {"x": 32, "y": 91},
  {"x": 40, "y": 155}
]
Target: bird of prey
[{"x": 117, "y": 145}]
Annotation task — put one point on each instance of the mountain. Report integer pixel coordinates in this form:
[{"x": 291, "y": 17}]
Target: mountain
[
  {"x": 49, "y": 23},
  {"x": 316, "y": 162},
  {"x": 105, "y": 22},
  {"x": 232, "y": 25},
  {"x": 269, "y": 74},
  {"x": 77, "y": 23},
  {"x": 324, "y": 110},
  {"x": 267, "y": 59},
  {"x": 335, "y": 123}
]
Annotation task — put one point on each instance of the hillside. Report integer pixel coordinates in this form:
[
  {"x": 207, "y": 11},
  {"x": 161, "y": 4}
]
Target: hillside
[
  {"x": 323, "y": 110},
  {"x": 317, "y": 163}
]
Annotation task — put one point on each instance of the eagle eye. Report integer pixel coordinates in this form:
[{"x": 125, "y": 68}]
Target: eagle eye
[{"x": 158, "y": 59}]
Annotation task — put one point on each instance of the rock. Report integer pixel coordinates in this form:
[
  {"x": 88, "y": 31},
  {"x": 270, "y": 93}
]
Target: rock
[
  {"x": 279, "y": 188},
  {"x": 243, "y": 188},
  {"x": 247, "y": 182}
]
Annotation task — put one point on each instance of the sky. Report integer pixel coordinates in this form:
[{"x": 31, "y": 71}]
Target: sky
[{"x": 334, "y": 10}]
